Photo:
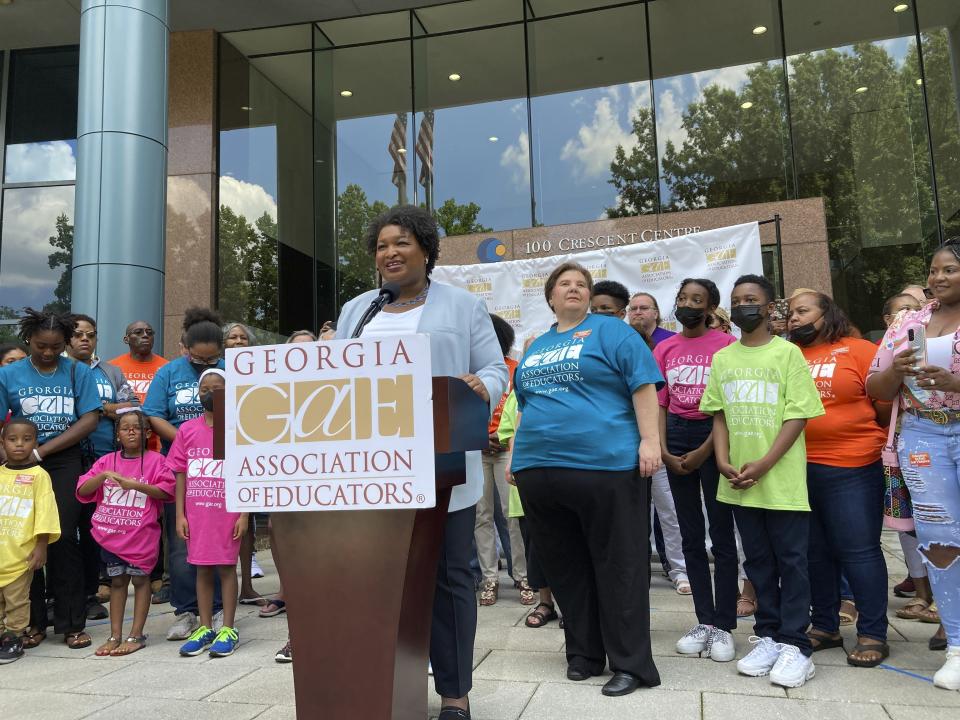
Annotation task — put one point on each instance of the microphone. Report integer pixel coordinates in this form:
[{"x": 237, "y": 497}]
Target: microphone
[{"x": 389, "y": 292}]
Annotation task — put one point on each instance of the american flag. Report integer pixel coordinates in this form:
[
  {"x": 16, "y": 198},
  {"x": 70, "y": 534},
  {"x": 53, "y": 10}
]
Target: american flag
[
  {"x": 425, "y": 149},
  {"x": 397, "y": 148}
]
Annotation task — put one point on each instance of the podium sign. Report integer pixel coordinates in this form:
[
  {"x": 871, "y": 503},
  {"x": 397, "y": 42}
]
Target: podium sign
[{"x": 338, "y": 425}]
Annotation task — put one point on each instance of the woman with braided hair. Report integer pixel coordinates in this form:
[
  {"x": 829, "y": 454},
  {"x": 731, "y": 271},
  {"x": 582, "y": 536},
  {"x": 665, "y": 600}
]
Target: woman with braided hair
[
  {"x": 60, "y": 397},
  {"x": 918, "y": 365}
]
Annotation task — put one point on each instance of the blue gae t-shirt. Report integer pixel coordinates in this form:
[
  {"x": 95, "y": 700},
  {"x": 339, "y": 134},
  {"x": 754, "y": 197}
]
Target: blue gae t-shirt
[
  {"x": 173, "y": 393},
  {"x": 53, "y": 402},
  {"x": 575, "y": 394}
]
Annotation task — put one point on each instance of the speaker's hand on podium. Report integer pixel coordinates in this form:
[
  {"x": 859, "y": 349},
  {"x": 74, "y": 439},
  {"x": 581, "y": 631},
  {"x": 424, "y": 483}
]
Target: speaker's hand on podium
[{"x": 476, "y": 384}]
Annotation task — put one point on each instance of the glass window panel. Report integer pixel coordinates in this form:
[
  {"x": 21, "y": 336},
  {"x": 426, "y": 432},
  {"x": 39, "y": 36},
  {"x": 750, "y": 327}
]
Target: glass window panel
[
  {"x": 42, "y": 115},
  {"x": 472, "y": 144},
  {"x": 940, "y": 38},
  {"x": 370, "y": 133},
  {"x": 593, "y": 145},
  {"x": 36, "y": 249},
  {"x": 545, "y": 8},
  {"x": 469, "y": 14},
  {"x": 266, "y": 192},
  {"x": 284, "y": 39},
  {"x": 722, "y": 131},
  {"x": 860, "y": 142},
  {"x": 366, "y": 29}
]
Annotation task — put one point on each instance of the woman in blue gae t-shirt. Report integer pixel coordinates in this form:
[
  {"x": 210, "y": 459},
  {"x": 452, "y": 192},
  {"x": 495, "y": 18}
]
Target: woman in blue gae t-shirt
[
  {"x": 60, "y": 397},
  {"x": 586, "y": 442}
]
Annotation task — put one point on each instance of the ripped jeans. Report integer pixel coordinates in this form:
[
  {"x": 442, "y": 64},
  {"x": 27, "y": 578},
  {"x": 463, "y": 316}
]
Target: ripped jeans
[{"x": 930, "y": 462}]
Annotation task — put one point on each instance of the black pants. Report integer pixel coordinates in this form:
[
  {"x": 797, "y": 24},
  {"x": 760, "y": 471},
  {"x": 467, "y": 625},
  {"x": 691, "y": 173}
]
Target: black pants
[
  {"x": 714, "y": 602},
  {"x": 775, "y": 545},
  {"x": 90, "y": 551},
  {"x": 65, "y": 568},
  {"x": 535, "y": 575},
  {"x": 454, "y": 624},
  {"x": 591, "y": 530}
]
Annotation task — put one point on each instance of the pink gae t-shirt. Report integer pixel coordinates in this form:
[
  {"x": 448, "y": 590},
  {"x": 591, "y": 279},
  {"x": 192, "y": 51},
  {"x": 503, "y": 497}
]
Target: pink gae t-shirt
[
  {"x": 685, "y": 363},
  {"x": 127, "y": 522},
  {"x": 211, "y": 526}
]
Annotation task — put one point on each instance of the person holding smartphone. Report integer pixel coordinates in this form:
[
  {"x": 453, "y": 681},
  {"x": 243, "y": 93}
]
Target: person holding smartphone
[{"x": 918, "y": 363}]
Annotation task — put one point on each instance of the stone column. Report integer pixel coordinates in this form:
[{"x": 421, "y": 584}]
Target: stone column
[{"x": 118, "y": 253}]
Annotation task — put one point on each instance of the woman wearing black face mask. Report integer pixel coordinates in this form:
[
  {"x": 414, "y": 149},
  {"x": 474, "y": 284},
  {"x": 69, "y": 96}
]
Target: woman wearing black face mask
[
  {"x": 173, "y": 399},
  {"x": 844, "y": 479},
  {"x": 686, "y": 441}
]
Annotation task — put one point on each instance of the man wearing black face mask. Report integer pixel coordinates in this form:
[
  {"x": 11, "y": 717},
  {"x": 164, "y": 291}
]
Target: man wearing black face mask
[{"x": 761, "y": 395}]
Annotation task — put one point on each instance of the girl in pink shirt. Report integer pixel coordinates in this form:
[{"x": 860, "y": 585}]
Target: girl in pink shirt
[
  {"x": 129, "y": 487},
  {"x": 212, "y": 534}
]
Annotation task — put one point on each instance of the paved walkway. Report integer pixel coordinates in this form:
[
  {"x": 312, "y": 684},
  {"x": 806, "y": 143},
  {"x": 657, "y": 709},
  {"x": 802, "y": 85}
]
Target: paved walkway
[{"x": 519, "y": 674}]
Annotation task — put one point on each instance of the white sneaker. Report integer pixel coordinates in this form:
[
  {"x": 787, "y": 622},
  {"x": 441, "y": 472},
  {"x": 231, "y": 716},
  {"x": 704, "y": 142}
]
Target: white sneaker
[
  {"x": 217, "y": 621},
  {"x": 695, "y": 641},
  {"x": 255, "y": 570},
  {"x": 793, "y": 668},
  {"x": 948, "y": 676},
  {"x": 759, "y": 661},
  {"x": 183, "y": 626},
  {"x": 720, "y": 646},
  {"x": 429, "y": 668}
]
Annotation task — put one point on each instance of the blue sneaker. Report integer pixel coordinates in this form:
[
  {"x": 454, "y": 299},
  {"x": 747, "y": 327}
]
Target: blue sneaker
[
  {"x": 225, "y": 643},
  {"x": 198, "y": 642}
]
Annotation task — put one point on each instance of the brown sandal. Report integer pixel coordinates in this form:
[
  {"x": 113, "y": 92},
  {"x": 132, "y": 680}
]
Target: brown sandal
[
  {"x": 111, "y": 644},
  {"x": 538, "y": 618},
  {"x": 848, "y": 612},
  {"x": 489, "y": 592},
  {"x": 913, "y": 609},
  {"x": 746, "y": 606},
  {"x": 930, "y": 615},
  {"x": 881, "y": 649},
  {"x": 77, "y": 640},
  {"x": 528, "y": 595},
  {"x": 33, "y": 637}
]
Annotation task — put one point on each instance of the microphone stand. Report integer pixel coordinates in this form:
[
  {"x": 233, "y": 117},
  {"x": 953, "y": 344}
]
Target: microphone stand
[{"x": 375, "y": 307}]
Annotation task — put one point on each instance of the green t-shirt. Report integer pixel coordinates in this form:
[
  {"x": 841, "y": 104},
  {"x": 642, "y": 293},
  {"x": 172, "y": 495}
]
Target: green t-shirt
[
  {"x": 505, "y": 431},
  {"x": 758, "y": 389}
]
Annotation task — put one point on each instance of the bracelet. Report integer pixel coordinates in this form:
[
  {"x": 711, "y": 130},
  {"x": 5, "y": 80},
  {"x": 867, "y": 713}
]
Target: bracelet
[{"x": 36, "y": 454}]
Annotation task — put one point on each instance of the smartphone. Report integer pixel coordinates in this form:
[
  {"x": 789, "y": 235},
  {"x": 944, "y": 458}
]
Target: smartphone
[{"x": 917, "y": 342}]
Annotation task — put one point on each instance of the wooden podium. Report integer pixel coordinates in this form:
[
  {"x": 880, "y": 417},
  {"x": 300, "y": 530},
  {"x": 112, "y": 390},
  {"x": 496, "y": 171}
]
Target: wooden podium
[{"x": 359, "y": 585}]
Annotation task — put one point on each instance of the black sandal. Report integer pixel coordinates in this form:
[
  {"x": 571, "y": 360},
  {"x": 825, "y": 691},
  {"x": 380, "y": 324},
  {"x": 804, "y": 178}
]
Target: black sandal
[
  {"x": 822, "y": 641},
  {"x": 881, "y": 649},
  {"x": 539, "y": 617}
]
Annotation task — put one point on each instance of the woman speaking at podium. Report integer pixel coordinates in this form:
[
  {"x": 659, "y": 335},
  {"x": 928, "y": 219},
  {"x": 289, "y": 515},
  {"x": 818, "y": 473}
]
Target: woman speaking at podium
[{"x": 405, "y": 243}]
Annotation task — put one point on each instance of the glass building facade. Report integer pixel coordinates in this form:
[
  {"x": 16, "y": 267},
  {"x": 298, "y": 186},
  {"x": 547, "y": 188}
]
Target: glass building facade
[{"x": 507, "y": 114}]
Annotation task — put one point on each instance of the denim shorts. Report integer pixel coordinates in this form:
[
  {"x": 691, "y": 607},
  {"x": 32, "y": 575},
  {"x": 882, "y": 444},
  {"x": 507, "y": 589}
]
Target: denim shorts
[{"x": 118, "y": 566}]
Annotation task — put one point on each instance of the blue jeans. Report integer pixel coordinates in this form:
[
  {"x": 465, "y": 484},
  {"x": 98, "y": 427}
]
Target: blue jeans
[
  {"x": 930, "y": 462},
  {"x": 183, "y": 575},
  {"x": 845, "y": 523}
]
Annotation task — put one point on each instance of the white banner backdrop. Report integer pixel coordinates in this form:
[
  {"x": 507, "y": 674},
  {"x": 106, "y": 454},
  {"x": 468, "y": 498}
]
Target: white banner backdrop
[{"x": 514, "y": 289}]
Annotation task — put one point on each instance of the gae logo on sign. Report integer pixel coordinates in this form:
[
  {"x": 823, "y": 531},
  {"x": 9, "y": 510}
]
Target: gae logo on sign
[{"x": 324, "y": 410}]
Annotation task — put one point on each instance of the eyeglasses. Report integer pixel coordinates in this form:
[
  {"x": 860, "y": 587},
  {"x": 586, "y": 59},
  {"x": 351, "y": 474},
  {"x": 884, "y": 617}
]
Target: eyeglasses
[
  {"x": 639, "y": 309},
  {"x": 210, "y": 361},
  {"x": 149, "y": 332},
  {"x": 89, "y": 334}
]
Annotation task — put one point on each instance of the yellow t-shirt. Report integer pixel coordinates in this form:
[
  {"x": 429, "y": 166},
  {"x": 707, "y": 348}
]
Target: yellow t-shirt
[{"x": 27, "y": 509}]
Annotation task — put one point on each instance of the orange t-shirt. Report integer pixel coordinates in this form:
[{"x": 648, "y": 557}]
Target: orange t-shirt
[
  {"x": 848, "y": 435},
  {"x": 139, "y": 375}
]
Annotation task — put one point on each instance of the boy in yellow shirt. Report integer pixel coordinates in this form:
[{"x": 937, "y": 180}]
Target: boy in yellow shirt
[{"x": 28, "y": 523}]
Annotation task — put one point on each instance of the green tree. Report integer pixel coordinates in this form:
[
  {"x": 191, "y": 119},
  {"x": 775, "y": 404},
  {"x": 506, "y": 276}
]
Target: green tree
[
  {"x": 248, "y": 276},
  {"x": 62, "y": 256},
  {"x": 865, "y": 152},
  {"x": 357, "y": 271},
  {"x": 635, "y": 175},
  {"x": 455, "y": 219}
]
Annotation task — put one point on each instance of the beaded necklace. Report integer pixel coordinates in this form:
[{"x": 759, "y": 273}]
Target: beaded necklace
[{"x": 421, "y": 296}]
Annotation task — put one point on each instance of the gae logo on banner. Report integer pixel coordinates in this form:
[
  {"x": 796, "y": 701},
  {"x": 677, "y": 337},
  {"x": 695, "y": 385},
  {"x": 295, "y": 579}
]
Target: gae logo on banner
[{"x": 339, "y": 425}]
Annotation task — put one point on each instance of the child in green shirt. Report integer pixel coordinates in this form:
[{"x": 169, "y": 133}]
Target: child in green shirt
[
  {"x": 761, "y": 395},
  {"x": 546, "y": 609}
]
